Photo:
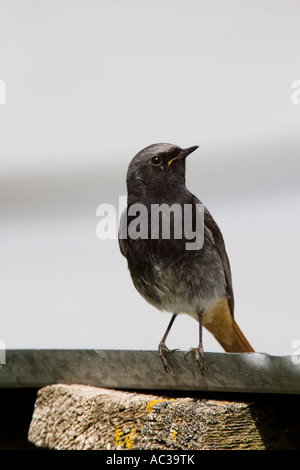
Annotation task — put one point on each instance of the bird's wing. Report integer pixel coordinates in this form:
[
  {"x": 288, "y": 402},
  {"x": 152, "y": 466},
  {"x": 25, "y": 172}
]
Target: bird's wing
[
  {"x": 220, "y": 245},
  {"x": 122, "y": 233}
]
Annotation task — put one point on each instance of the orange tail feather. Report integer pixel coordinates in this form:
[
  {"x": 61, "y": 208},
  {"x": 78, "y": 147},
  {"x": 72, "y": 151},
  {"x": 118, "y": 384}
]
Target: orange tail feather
[{"x": 238, "y": 344}]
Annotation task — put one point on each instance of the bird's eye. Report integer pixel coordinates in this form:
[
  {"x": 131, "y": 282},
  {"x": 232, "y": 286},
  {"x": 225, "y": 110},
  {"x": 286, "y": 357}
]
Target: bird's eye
[{"x": 156, "y": 160}]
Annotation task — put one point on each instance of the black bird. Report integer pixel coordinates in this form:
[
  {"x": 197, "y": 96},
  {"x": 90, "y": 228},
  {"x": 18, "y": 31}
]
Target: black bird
[{"x": 166, "y": 272}]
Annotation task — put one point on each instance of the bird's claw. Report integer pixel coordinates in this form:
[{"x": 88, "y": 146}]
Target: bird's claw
[
  {"x": 199, "y": 353},
  {"x": 162, "y": 349}
]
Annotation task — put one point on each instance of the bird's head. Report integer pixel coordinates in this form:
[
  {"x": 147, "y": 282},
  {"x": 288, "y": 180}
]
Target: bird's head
[{"x": 157, "y": 169}]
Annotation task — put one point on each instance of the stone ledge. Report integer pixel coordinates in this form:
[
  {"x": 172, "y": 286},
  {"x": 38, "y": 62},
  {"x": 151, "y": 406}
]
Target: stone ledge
[{"x": 78, "y": 417}]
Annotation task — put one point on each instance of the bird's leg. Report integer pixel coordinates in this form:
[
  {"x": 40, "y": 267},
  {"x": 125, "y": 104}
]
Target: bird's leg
[
  {"x": 199, "y": 351},
  {"x": 162, "y": 348}
]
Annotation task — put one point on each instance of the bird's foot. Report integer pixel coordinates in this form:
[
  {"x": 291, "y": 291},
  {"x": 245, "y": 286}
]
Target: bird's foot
[
  {"x": 199, "y": 353},
  {"x": 162, "y": 349}
]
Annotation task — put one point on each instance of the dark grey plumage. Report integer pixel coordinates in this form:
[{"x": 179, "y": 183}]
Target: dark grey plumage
[
  {"x": 170, "y": 277},
  {"x": 163, "y": 271}
]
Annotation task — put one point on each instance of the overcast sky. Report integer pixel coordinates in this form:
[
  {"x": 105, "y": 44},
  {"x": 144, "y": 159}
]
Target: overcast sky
[{"x": 88, "y": 85}]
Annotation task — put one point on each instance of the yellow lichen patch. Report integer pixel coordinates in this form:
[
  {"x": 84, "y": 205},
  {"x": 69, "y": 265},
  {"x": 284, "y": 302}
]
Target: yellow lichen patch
[
  {"x": 151, "y": 403},
  {"x": 173, "y": 434},
  {"x": 118, "y": 434},
  {"x": 128, "y": 438}
]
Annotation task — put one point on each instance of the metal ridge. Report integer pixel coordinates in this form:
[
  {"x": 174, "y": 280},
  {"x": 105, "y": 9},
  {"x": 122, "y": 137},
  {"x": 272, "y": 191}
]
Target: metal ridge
[{"x": 143, "y": 370}]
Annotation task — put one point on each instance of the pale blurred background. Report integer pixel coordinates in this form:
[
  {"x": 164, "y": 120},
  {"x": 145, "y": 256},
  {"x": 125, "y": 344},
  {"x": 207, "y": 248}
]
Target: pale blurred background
[{"x": 88, "y": 85}]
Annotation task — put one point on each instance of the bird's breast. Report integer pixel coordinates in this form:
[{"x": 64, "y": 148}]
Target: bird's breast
[{"x": 174, "y": 279}]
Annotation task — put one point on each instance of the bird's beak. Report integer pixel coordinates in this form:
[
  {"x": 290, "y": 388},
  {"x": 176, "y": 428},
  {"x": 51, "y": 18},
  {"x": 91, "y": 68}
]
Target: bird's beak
[{"x": 183, "y": 154}]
